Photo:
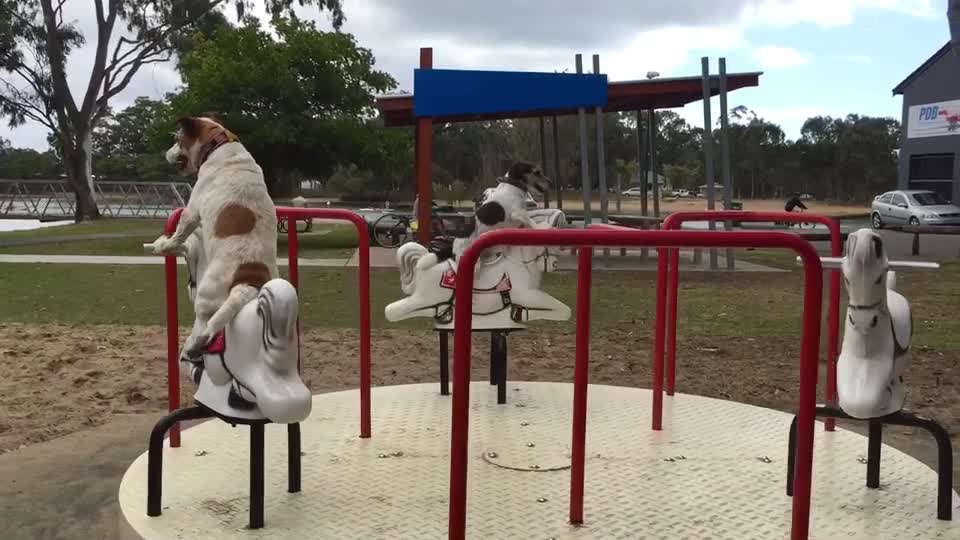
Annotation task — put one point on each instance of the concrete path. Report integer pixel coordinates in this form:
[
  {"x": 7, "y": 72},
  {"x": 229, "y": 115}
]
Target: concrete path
[
  {"x": 144, "y": 260},
  {"x": 12, "y": 242}
]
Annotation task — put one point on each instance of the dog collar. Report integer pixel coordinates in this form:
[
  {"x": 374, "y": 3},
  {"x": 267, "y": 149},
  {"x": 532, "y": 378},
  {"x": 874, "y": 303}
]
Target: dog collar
[{"x": 217, "y": 141}]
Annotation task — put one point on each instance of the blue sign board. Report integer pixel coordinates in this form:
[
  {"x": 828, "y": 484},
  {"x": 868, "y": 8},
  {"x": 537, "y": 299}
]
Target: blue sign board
[{"x": 450, "y": 92}]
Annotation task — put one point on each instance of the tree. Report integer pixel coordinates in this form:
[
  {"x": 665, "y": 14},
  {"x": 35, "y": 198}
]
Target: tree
[
  {"x": 27, "y": 164},
  {"x": 302, "y": 102},
  {"x": 35, "y": 43}
]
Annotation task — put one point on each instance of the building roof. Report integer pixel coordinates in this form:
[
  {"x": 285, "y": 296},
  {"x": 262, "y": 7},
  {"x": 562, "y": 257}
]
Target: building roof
[
  {"x": 667, "y": 93},
  {"x": 898, "y": 90}
]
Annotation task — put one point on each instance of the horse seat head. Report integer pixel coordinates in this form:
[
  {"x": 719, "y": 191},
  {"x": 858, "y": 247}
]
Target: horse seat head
[{"x": 254, "y": 360}]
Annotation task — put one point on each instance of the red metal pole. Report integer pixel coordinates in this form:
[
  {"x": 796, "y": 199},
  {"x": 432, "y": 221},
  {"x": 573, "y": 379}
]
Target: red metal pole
[
  {"x": 833, "y": 322},
  {"x": 363, "y": 247},
  {"x": 673, "y": 287},
  {"x": 659, "y": 325},
  {"x": 424, "y": 163},
  {"x": 363, "y": 278},
  {"x": 293, "y": 270},
  {"x": 173, "y": 329},
  {"x": 581, "y": 375},
  {"x": 809, "y": 361},
  {"x": 810, "y": 339},
  {"x": 675, "y": 221}
]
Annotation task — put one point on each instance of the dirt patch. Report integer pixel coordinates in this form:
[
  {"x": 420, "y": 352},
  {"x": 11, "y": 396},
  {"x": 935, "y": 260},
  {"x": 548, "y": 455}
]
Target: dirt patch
[{"x": 61, "y": 379}]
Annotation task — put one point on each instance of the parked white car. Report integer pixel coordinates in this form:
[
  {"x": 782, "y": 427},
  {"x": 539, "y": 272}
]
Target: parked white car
[
  {"x": 633, "y": 192},
  {"x": 912, "y": 207}
]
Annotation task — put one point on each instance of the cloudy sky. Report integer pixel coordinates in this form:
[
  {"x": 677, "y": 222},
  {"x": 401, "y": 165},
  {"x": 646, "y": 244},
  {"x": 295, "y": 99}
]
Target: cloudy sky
[{"x": 829, "y": 57}]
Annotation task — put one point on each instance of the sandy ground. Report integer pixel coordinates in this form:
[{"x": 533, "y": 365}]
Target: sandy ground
[{"x": 77, "y": 402}]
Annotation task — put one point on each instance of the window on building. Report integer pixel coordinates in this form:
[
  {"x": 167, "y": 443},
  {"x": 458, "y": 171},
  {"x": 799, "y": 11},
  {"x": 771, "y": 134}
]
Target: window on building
[{"x": 931, "y": 167}]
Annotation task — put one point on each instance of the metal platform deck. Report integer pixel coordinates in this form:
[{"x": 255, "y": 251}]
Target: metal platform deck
[{"x": 716, "y": 471}]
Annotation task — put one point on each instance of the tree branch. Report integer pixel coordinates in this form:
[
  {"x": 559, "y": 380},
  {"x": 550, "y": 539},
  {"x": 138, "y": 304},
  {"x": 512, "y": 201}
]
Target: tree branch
[
  {"x": 64, "y": 102},
  {"x": 22, "y": 103},
  {"x": 156, "y": 57},
  {"x": 99, "y": 71}
]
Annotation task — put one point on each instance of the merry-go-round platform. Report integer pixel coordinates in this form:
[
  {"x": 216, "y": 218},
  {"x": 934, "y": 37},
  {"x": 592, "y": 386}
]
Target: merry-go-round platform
[{"x": 717, "y": 470}]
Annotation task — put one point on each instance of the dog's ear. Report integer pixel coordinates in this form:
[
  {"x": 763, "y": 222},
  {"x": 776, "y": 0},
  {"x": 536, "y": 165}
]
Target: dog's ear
[
  {"x": 519, "y": 170},
  {"x": 189, "y": 126}
]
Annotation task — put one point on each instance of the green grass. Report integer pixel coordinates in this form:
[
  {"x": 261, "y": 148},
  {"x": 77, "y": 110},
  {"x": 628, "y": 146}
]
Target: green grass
[
  {"x": 101, "y": 226},
  {"x": 711, "y": 305},
  {"x": 325, "y": 241}
]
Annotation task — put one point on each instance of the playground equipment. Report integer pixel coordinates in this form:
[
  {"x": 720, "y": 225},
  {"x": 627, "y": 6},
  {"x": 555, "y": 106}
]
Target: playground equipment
[
  {"x": 250, "y": 373},
  {"x": 507, "y": 290},
  {"x": 668, "y": 285},
  {"x": 615, "y": 238},
  {"x": 519, "y": 456},
  {"x": 877, "y": 334}
]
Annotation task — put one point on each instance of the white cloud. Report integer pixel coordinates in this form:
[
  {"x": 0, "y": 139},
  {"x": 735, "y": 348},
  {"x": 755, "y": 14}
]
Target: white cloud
[
  {"x": 775, "y": 57},
  {"x": 630, "y": 37}
]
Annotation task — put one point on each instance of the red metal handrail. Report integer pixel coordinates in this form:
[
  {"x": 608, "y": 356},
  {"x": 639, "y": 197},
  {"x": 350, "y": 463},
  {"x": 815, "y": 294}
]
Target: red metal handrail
[
  {"x": 810, "y": 338},
  {"x": 173, "y": 329},
  {"x": 291, "y": 214},
  {"x": 676, "y": 220}
]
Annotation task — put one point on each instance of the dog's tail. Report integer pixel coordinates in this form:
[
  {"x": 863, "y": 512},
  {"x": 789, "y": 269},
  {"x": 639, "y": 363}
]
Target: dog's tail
[{"x": 412, "y": 257}]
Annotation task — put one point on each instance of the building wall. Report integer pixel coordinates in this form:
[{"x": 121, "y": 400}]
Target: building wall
[{"x": 940, "y": 82}]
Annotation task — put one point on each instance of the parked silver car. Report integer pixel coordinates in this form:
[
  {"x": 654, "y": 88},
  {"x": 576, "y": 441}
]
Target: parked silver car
[{"x": 913, "y": 207}]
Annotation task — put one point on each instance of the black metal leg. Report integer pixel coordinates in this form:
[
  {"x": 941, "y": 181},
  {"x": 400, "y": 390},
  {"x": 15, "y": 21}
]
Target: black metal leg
[
  {"x": 256, "y": 476},
  {"x": 791, "y": 456},
  {"x": 493, "y": 358},
  {"x": 502, "y": 369},
  {"x": 155, "y": 453},
  {"x": 944, "y": 460},
  {"x": 874, "y": 438},
  {"x": 874, "y": 442},
  {"x": 293, "y": 458},
  {"x": 444, "y": 363}
]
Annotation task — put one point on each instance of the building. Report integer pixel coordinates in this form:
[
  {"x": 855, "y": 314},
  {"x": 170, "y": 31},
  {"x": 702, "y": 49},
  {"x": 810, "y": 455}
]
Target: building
[{"x": 930, "y": 140}]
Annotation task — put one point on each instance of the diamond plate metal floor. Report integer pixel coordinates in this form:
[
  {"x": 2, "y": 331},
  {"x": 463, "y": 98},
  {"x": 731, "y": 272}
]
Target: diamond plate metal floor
[{"x": 716, "y": 471}]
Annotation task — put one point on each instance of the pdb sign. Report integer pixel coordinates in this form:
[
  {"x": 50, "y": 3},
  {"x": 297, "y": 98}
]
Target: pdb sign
[{"x": 934, "y": 120}]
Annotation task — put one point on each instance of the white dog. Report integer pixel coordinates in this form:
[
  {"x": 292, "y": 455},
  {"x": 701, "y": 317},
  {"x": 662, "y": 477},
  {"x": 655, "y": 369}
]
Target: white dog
[
  {"x": 239, "y": 220},
  {"x": 506, "y": 206}
]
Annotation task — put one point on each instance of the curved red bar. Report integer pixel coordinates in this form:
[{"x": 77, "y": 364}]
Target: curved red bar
[
  {"x": 363, "y": 277},
  {"x": 810, "y": 340},
  {"x": 675, "y": 220},
  {"x": 292, "y": 214}
]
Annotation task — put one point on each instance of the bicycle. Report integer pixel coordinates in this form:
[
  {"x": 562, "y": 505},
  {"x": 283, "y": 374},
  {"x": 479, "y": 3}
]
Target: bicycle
[
  {"x": 393, "y": 229},
  {"x": 798, "y": 224}
]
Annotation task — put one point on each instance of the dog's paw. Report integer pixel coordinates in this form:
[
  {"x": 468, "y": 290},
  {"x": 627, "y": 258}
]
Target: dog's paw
[
  {"x": 196, "y": 346},
  {"x": 163, "y": 246}
]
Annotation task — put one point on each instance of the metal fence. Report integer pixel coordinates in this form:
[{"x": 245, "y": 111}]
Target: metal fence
[{"x": 53, "y": 199}]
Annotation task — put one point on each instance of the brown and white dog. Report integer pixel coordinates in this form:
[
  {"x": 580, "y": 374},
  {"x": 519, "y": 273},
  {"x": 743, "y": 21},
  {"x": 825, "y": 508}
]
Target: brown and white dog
[{"x": 239, "y": 224}]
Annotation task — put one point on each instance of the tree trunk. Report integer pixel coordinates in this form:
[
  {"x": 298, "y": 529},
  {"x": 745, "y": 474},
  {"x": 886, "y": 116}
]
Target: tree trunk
[{"x": 78, "y": 158}]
